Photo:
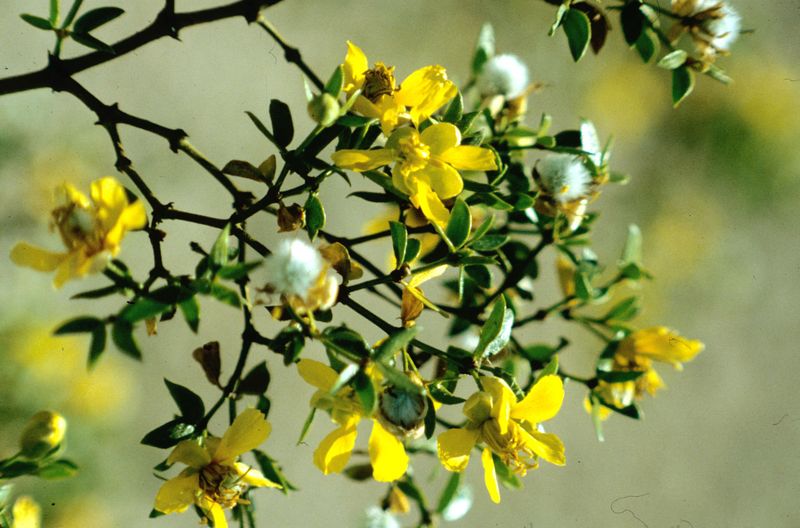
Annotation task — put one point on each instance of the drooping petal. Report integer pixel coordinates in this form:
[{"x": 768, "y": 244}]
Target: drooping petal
[
  {"x": 660, "y": 344},
  {"x": 177, "y": 494},
  {"x": 189, "y": 452},
  {"x": 214, "y": 512},
  {"x": 24, "y": 254},
  {"x": 441, "y": 137},
  {"x": 542, "y": 402},
  {"x": 386, "y": 454},
  {"x": 503, "y": 400},
  {"x": 490, "y": 476},
  {"x": 454, "y": 447},
  {"x": 430, "y": 204},
  {"x": 335, "y": 449},
  {"x": 354, "y": 66},
  {"x": 317, "y": 374},
  {"x": 425, "y": 91},
  {"x": 470, "y": 157},
  {"x": 389, "y": 112},
  {"x": 424, "y": 276},
  {"x": 445, "y": 181},
  {"x": 362, "y": 160},
  {"x": 547, "y": 445},
  {"x": 247, "y": 432},
  {"x": 68, "y": 269},
  {"x": 253, "y": 477}
]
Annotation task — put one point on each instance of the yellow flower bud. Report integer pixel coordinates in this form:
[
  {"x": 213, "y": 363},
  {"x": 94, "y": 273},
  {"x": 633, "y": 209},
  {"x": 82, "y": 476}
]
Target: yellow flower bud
[
  {"x": 324, "y": 109},
  {"x": 44, "y": 431}
]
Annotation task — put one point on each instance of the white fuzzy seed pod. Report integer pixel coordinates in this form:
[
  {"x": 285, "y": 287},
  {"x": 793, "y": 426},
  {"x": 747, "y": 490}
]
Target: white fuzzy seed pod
[
  {"x": 564, "y": 177},
  {"x": 504, "y": 75},
  {"x": 294, "y": 267}
]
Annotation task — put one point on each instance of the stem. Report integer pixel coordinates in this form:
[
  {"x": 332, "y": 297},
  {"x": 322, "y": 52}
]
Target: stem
[{"x": 291, "y": 53}]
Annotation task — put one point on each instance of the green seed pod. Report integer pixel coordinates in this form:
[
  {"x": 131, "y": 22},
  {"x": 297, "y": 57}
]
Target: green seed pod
[{"x": 324, "y": 109}]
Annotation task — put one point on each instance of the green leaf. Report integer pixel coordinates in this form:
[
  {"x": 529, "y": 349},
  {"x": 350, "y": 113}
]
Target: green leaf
[
  {"x": 98, "y": 293},
  {"x": 95, "y": 18},
  {"x": 672, "y": 60},
  {"x": 79, "y": 325},
  {"x": 168, "y": 434},
  {"x": 59, "y": 469},
  {"x": 122, "y": 335},
  {"x": 508, "y": 478},
  {"x": 442, "y": 395},
  {"x": 344, "y": 377},
  {"x": 632, "y": 250},
  {"x": 398, "y": 379},
  {"x": 395, "y": 342},
  {"x": 430, "y": 419},
  {"x": 272, "y": 471},
  {"x": 142, "y": 309},
  {"x": 190, "y": 404},
  {"x": 17, "y": 468},
  {"x": 449, "y": 492},
  {"x": 399, "y": 241},
  {"x": 220, "y": 251},
  {"x": 190, "y": 309},
  {"x": 624, "y": 310},
  {"x": 540, "y": 353},
  {"x": 413, "y": 247},
  {"x": 289, "y": 343},
  {"x": 226, "y": 295},
  {"x": 647, "y": 45},
  {"x": 562, "y": 10},
  {"x": 365, "y": 390},
  {"x": 54, "y": 11},
  {"x": 315, "y": 215},
  {"x": 256, "y": 381},
  {"x": 91, "y": 42},
  {"x": 282, "y": 125},
  {"x": 480, "y": 274},
  {"x": 238, "y": 270},
  {"x": 682, "y": 84},
  {"x": 261, "y": 127},
  {"x": 550, "y": 369},
  {"x": 579, "y": 32},
  {"x": 496, "y": 332},
  {"x": 97, "y": 345},
  {"x": 336, "y": 82},
  {"x": 613, "y": 376},
  {"x": 489, "y": 243},
  {"x": 347, "y": 339},
  {"x": 352, "y": 120},
  {"x": 37, "y": 22},
  {"x": 244, "y": 169},
  {"x": 632, "y": 21},
  {"x": 455, "y": 110},
  {"x": 484, "y": 48},
  {"x": 76, "y": 5},
  {"x": 460, "y": 223}
]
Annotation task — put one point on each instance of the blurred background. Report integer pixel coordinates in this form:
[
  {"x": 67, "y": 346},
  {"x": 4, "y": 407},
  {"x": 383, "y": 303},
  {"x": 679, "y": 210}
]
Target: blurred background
[{"x": 714, "y": 187}]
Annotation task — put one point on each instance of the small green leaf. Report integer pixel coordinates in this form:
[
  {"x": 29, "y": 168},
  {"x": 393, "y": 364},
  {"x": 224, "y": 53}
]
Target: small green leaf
[
  {"x": 98, "y": 293},
  {"x": 550, "y": 369},
  {"x": 395, "y": 343},
  {"x": 624, "y": 310},
  {"x": 190, "y": 309},
  {"x": 336, "y": 82},
  {"x": 58, "y": 470},
  {"x": 344, "y": 377},
  {"x": 272, "y": 471},
  {"x": 226, "y": 295},
  {"x": 489, "y": 243},
  {"x": 79, "y": 325},
  {"x": 315, "y": 215},
  {"x": 220, "y": 251},
  {"x": 632, "y": 21},
  {"x": 480, "y": 274},
  {"x": 365, "y": 390},
  {"x": 430, "y": 419},
  {"x": 168, "y": 434},
  {"x": 289, "y": 343},
  {"x": 282, "y": 125},
  {"x": 455, "y": 110},
  {"x": 682, "y": 84},
  {"x": 91, "y": 42},
  {"x": 261, "y": 127},
  {"x": 96, "y": 18},
  {"x": 632, "y": 250},
  {"x": 579, "y": 32},
  {"x": 122, "y": 335},
  {"x": 413, "y": 247},
  {"x": 672, "y": 60},
  {"x": 647, "y": 45},
  {"x": 484, "y": 48},
  {"x": 496, "y": 332},
  {"x": 256, "y": 381},
  {"x": 37, "y": 22},
  {"x": 54, "y": 11},
  {"x": 442, "y": 395},
  {"x": 614, "y": 376},
  {"x": 142, "y": 309},
  {"x": 244, "y": 169},
  {"x": 97, "y": 346},
  {"x": 399, "y": 241},
  {"x": 449, "y": 492},
  {"x": 460, "y": 224},
  {"x": 190, "y": 404},
  {"x": 562, "y": 10},
  {"x": 351, "y": 120}
]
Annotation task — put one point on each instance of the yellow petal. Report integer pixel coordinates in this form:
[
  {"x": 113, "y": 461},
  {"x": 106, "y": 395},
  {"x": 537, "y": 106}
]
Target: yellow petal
[
  {"x": 503, "y": 400},
  {"x": 334, "y": 451},
  {"x": 424, "y": 276},
  {"x": 24, "y": 254},
  {"x": 68, "y": 269},
  {"x": 26, "y": 513},
  {"x": 660, "y": 344},
  {"x": 454, "y": 447},
  {"x": 134, "y": 216},
  {"x": 247, "y": 432},
  {"x": 214, "y": 511},
  {"x": 177, "y": 494},
  {"x": 542, "y": 402},
  {"x": 441, "y": 137},
  {"x": 253, "y": 477},
  {"x": 425, "y": 91},
  {"x": 445, "y": 181},
  {"x": 354, "y": 66},
  {"x": 317, "y": 374},
  {"x": 430, "y": 204},
  {"x": 470, "y": 157},
  {"x": 547, "y": 445},
  {"x": 367, "y": 108},
  {"x": 386, "y": 454},
  {"x": 110, "y": 201},
  {"x": 490, "y": 476},
  {"x": 189, "y": 452},
  {"x": 362, "y": 160}
]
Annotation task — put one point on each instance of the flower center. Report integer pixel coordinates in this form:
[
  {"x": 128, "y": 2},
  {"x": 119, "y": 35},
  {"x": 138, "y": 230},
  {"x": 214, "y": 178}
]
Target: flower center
[
  {"x": 77, "y": 227},
  {"x": 510, "y": 446},
  {"x": 378, "y": 81},
  {"x": 221, "y": 484},
  {"x": 415, "y": 154}
]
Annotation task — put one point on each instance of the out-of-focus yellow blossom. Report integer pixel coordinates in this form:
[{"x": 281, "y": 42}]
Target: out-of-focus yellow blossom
[
  {"x": 636, "y": 353},
  {"x": 44, "y": 432},
  {"x": 85, "y": 510},
  {"x": 420, "y": 95},
  {"x": 414, "y": 299},
  {"x": 507, "y": 428},
  {"x": 387, "y": 454},
  {"x": 91, "y": 230},
  {"x": 26, "y": 513},
  {"x": 214, "y": 480},
  {"x": 425, "y": 165}
]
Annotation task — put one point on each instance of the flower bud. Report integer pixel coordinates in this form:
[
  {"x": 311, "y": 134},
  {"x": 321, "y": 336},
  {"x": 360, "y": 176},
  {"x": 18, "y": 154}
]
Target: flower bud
[
  {"x": 44, "y": 432},
  {"x": 402, "y": 411},
  {"x": 324, "y": 109}
]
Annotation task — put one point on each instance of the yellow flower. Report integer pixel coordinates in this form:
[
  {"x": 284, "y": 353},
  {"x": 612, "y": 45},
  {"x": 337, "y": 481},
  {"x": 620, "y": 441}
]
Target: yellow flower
[
  {"x": 26, "y": 513},
  {"x": 636, "y": 353},
  {"x": 425, "y": 165},
  {"x": 414, "y": 299},
  {"x": 416, "y": 99},
  {"x": 44, "y": 432},
  {"x": 387, "y": 454},
  {"x": 507, "y": 428},
  {"x": 214, "y": 480},
  {"x": 91, "y": 231}
]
